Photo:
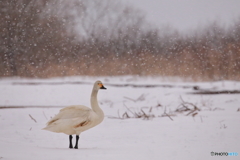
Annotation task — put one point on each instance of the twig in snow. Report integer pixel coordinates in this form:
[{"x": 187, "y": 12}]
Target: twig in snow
[
  {"x": 140, "y": 98},
  {"x": 125, "y": 115},
  {"x": 32, "y": 118},
  {"x": 168, "y": 116},
  {"x": 129, "y": 99},
  {"x": 147, "y": 116},
  {"x": 45, "y": 115},
  {"x": 165, "y": 114},
  {"x": 118, "y": 114},
  {"x": 181, "y": 99},
  {"x": 201, "y": 119},
  {"x": 129, "y": 113},
  {"x": 217, "y": 108},
  {"x": 222, "y": 125},
  {"x": 187, "y": 106},
  {"x": 129, "y": 109},
  {"x": 194, "y": 114},
  {"x": 119, "y": 117},
  {"x": 150, "y": 110},
  {"x": 112, "y": 117},
  {"x": 158, "y": 105}
]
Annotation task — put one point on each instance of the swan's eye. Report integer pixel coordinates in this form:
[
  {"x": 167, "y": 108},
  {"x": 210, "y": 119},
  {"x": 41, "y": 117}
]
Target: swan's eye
[{"x": 100, "y": 84}]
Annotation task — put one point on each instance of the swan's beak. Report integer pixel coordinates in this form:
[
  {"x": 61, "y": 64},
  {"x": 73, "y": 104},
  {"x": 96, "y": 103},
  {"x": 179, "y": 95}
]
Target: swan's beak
[{"x": 103, "y": 87}]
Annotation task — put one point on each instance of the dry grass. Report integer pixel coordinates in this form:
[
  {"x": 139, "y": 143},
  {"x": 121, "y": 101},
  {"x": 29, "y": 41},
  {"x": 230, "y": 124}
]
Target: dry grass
[{"x": 146, "y": 65}]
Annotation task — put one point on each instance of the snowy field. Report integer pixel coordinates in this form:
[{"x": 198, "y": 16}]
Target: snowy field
[{"x": 168, "y": 133}]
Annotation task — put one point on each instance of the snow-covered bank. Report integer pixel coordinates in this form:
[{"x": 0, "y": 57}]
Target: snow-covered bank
[
  {"x": 214, "y": 128},
  {"x": 160, "y": 138},
  {"x": 64, "y": 91}
]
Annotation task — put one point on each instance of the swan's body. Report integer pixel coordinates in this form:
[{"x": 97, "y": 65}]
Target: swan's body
[{"x": 76, "y": 119}]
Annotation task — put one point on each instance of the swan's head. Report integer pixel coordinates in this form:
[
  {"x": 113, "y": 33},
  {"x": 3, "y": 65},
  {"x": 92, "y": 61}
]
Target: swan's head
[{"x": 99, "y": 85}]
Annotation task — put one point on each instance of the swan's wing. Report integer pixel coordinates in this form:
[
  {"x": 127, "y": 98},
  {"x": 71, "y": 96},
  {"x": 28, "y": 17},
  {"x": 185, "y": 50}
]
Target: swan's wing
[{"x": 79, "y": 113}]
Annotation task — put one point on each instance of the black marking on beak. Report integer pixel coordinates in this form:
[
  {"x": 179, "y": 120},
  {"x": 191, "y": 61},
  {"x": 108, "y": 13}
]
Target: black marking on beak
[{"x": 103, "y": 87}]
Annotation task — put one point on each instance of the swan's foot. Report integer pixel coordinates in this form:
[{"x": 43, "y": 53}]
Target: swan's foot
[
  {"x": 70, "y": 141},
  {"x": 77, "y": 138}
]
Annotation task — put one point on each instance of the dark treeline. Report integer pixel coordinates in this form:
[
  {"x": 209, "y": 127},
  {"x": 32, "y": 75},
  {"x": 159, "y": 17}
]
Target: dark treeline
[{"x": 57, "y": 38}]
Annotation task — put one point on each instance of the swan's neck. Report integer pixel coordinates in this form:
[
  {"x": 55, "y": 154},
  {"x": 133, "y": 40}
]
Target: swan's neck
[{"x": 94, "y": 102}]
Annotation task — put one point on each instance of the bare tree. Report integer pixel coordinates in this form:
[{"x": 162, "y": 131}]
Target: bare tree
[{"x": 60, "y": 38}]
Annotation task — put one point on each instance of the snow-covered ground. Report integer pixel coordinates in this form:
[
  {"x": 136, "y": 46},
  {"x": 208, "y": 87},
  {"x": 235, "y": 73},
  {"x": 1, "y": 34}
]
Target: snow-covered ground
[{"x": 214, "y": 129}]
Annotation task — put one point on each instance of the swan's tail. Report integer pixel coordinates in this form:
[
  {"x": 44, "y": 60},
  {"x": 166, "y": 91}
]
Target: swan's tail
[
  {"x": 52, "y": 129},
  {"x": 60, "y": 126}
]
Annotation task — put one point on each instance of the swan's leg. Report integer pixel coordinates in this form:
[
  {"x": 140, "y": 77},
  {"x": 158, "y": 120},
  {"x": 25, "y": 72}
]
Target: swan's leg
[
  {"x": 77, "y": 138},
  {"x": 70, "y": 141}
]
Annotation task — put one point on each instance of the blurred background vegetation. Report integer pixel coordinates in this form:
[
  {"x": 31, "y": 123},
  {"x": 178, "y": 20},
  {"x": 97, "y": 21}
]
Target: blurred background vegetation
[{"x": 49, "y": 38}]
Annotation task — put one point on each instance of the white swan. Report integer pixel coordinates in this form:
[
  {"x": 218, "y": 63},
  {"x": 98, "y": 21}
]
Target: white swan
[{"x": 76, "y": 119}]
